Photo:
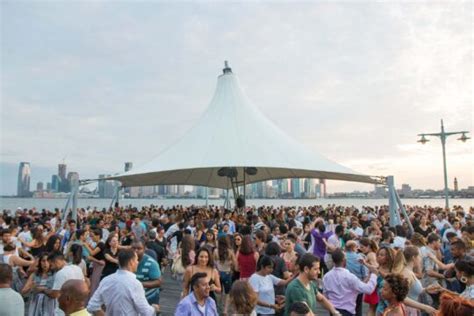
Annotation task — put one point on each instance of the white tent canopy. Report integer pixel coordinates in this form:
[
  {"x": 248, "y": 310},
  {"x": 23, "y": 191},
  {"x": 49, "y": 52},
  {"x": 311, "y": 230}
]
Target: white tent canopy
[{"x": 234, "y": 133}]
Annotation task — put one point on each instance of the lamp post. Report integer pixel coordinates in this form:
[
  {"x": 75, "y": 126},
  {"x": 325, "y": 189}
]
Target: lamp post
[{"x": 443, "y": 135}]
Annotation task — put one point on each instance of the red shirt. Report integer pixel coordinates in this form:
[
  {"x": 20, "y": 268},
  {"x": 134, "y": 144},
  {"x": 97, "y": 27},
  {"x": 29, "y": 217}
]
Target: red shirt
[{"x": 247, "y": 265}]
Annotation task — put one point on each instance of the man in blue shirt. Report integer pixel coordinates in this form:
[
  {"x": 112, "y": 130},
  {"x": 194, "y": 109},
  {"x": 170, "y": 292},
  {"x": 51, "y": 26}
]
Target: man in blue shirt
[
  {"x": 148, "y": 273},
  {"x": 198, "y": 302},
  {"x": 354, "y": 265}
]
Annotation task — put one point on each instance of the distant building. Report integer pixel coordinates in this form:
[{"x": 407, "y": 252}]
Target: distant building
[
  {"x": 39, "y": 186},
  {"x": 106, "y": 188},
  {"x": 406, "y": 191},
  {"x": 380, "y": 192},
  {"x": 456, "y": 187},
  {"x": 296, "y": 188},
  {"x": 63, "y": 183},
  {"x": 24, "y": 177},
  {"x": 323, "y": 188},
  {"x": 48, "y": 186},
  {"x": 72, "y": 180},
  {"x": 55, "y": 183},
  {"x": 128, "y": 166}
]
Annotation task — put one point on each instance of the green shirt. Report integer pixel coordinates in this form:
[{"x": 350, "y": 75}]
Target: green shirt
[{"x": 297, "y": 292}]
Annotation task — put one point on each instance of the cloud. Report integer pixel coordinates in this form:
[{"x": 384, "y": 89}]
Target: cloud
[{"x": 354, "y": 81}]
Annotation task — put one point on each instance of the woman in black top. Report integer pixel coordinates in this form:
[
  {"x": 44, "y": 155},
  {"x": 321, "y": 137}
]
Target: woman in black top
[
  {"x": 110, "y": 256},
  {"x": 423, "y": 228}
]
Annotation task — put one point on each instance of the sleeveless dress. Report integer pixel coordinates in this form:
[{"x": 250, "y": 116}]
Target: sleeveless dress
[
  {"x": 41, "y": 304},
  {"x": 18, "y": 281},
  {"x": 247, "y": 265},
  {"x": 414, "y": 293}
]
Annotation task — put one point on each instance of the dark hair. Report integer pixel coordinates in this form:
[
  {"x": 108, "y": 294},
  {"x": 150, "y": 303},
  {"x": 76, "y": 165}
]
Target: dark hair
[
  {"x": 272, "y": 249},
  {"x": 306, "y": 261},
  {"x": 79, "y": 233},
  {"x": 398, "y": 285},
  {"x": 432, "y": 238},
  {"x": 246, "y": 247},
  {"x": 97, "y": 232},
  {"x": 459, "y": 244},
  {"x": 260, "y": 234},
  {"x": 55, "y": 256},
  {"x": 265, "y": 261},
  {"x": 337, "y": 257},
  {"x": 125, "y": 256},
  {"x": 466, "y": 266},
  {"x": 9, "y": 247},
  {"x": 40, "y": 257},
  {"x": 339, "y": 229},
  {"x": 195, "y": 279},
  {"x": 76, "y": 250},
  {"x": 6, "y": 273},
  {"x": 300, "y": 308},
  {"x": 401, "y": 231},
  {"x": 50, "y": 243},
  {"x": 223, "y": 248},
  {"x": 187, "y": 245},
  {"x": 210, "y": 262},
  {"x": 292, "y": 237}
]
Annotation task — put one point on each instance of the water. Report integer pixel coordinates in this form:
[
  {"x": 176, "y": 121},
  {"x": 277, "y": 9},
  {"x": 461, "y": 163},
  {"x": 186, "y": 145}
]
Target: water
[{"x": 50, "y": 204}]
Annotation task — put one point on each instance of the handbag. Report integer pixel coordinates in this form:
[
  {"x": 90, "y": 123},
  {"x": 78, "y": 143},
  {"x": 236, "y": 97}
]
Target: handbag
[{"x": 177, "y": 267}]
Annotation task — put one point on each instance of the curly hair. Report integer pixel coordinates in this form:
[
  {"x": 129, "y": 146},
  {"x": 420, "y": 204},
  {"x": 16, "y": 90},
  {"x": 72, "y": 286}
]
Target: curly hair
[
  {"x": 454, "y": 305},
  {"x": 243, "y": 298},
  {"x": 398, "y": 285}
]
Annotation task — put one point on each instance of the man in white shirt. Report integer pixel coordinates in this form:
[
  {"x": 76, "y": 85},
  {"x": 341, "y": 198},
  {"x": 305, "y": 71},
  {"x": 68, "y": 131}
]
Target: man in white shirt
[
  {"x": 441, "y": 222},
  {"x": 356, "y": 229},
  {"x": 121, "y": 292},
  {"x": 25, "y": 235},
  {"x": 11, "y": 303},
  {"x": 64, "y": 272}
]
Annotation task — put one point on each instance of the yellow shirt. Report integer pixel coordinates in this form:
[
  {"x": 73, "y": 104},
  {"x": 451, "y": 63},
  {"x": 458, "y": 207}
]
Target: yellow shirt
[{"x": 82, "y": 312}]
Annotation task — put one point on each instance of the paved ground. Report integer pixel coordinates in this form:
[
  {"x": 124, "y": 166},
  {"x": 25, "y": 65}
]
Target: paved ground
[{"x": 169, "y": 297}]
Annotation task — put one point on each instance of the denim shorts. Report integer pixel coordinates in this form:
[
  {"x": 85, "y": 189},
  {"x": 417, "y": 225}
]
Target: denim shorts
[{"x": 226, "y": 281}]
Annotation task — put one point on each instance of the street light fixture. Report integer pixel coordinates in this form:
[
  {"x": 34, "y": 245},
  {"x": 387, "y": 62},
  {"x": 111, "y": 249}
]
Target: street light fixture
[{"x": 443, "y": 135}]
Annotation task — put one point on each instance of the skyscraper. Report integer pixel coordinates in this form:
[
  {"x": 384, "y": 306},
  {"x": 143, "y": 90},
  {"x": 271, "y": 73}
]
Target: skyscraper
[
  {"x": 128, "y": 166},
  {"x": 72, "y": 179},
  {"x": 24, "y": 176},
  {"x": 456, "y": 186},
  {"x": 55, "y": 183},
  {"x": 63, "y": 184},
  {"x": 296, "y": 188}
]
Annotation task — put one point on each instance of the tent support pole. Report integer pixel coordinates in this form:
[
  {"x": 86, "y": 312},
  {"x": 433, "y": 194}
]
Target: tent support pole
[
  {"x": 393, "y": 203},
  {"x": 404, "y": 212},
  {"x": 207, "y": 197},
  {"x": 245, "y": 196},
  {"x": 74, "y": 200},
  {"x": 116, "y": 197}
]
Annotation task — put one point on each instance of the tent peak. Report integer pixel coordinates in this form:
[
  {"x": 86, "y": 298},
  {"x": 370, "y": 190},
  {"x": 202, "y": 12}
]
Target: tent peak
[{"x": 226, "y": 69}]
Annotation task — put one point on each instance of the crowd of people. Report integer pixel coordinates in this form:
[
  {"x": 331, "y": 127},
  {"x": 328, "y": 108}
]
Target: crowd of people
[{"x": 253, "y": 261}]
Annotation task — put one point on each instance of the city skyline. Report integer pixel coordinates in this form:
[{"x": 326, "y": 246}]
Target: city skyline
[
  {"x": 279, "y": 188},
  {"x": 355, "y": 82}
]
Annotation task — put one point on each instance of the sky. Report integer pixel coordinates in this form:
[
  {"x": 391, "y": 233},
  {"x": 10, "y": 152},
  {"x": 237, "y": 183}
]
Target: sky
[{"x": 98, "y": 83}]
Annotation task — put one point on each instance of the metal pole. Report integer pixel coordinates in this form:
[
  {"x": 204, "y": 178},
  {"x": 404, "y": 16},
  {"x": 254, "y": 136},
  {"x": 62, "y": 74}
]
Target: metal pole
[
  {"x": 207, "y": 197},
  {"x": 443, "y": 144},
  {"x": 75, "y": 192},
  {"x": 404, "y": 212},
  {"x": 245, "y": 195},
  {"x": 394, "y": 219}
]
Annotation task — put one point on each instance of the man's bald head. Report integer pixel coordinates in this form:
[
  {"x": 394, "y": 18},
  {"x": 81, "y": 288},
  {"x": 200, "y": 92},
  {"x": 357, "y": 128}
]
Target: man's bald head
[{"x": 74, "y": 294}]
